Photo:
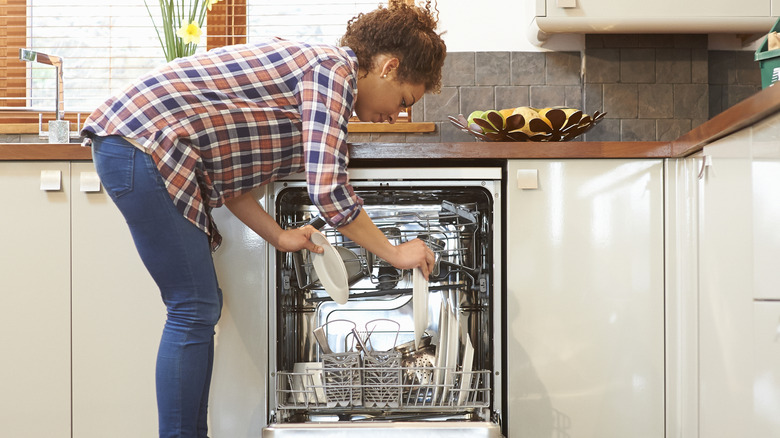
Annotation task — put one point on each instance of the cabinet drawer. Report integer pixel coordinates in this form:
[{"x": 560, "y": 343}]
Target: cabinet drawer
[
  {"x": 766, "y": 378},
  {"x": 765, "y": 173}
]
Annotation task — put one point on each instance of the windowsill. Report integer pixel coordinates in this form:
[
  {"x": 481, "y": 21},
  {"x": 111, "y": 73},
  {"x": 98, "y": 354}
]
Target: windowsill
[
  {"x": 363, "y": 127},
  {"x": 395, "y": 127}
]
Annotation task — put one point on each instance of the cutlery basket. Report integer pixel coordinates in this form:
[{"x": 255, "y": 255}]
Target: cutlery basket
[
  {"x": 382, "y": 379},
  {"x": 341, "y": 375}
]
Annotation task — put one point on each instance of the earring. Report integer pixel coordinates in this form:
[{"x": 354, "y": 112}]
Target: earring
[{"x": 384, "y": 76}]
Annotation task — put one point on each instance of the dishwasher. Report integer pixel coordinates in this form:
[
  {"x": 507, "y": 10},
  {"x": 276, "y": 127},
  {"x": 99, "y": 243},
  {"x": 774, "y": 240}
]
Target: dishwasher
[{"x": 360, "y": 368}]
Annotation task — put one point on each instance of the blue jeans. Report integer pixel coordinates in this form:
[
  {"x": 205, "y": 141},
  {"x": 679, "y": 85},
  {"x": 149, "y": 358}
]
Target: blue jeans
[{"x": 177, "y": 255}]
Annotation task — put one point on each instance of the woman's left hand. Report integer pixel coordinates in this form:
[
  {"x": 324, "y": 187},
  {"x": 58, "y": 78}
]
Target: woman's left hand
[
  {"x": 250, "y": 212},
  {"x": 296, "y": 239}
]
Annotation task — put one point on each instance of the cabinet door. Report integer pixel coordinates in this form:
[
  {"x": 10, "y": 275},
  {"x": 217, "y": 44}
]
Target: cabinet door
[
  {"x": 766, "y": 380},
  {"x": 585, "y": 299},
  {"x": 766, "y": 217},
  {"x": 117, "y": 321},
  {"x": 238, "y": 396},
  {"x": 35, "y": 301},
  {"x": 726, "y": 289}
]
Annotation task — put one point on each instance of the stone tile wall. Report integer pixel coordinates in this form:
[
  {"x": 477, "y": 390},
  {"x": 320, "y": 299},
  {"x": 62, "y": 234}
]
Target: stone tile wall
[
  {"x": 733, "y": 76},
  {"x": 658, "y": 87},
  {"x": 653, "y": 87}
]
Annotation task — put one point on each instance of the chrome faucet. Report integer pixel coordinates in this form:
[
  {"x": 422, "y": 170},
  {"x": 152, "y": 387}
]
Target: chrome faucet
[{"x": 56, "y": 61}]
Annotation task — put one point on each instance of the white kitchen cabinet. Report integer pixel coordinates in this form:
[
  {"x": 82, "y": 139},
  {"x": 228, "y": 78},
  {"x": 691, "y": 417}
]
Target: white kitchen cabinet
[
  {"x": 765, "y": 179},
  {"x": 681, "y": 329},
  {"x": 117, "y": 320},
  {"x": 239, "y": 385},
  {"x": 662, "y": 8},
  {"x": 118, "y": 317},
  {"x": 725, "y": 292},
  {"x": 83, "y": 318},
  {"x": 766, "y": 378},
  {"x": 35, "y": 301},
  {"x": 585, "y": 298},
  {"x": 662, "y": 16},
  {"x": 738, "y": 275}
]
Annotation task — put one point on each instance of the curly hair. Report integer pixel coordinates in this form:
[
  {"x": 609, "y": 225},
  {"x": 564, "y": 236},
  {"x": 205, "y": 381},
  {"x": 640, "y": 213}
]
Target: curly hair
[{"x": 405, "y": 31}]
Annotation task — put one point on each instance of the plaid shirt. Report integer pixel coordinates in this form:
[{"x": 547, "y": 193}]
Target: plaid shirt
[{"x": 221, "y": 123}]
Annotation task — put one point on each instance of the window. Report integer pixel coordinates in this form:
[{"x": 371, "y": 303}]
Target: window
[{"x": 106, "y": 44}]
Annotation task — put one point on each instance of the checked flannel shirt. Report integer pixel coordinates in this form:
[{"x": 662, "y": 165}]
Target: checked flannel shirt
[{"x": 221, "y": 123}]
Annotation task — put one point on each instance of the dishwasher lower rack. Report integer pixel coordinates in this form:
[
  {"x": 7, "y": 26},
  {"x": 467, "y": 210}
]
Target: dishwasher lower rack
[{"x": 344, "y": 383}]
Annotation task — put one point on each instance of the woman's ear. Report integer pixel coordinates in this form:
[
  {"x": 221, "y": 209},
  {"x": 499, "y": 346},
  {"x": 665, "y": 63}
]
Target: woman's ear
[{"x": 389, "y": 66}]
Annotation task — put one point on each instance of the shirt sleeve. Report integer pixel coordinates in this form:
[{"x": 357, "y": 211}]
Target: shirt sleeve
[{"x": 327, "y": 99}]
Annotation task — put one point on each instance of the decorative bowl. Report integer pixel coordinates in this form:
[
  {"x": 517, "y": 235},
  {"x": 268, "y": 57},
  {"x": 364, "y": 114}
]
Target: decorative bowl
[{"x": 528, "y": 124}]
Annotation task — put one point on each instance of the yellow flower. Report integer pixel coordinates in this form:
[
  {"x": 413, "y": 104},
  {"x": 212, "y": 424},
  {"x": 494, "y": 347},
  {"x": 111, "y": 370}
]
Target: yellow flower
[
  {"x": 212, "y": 3},
  {"x": 189, "y": 33}
]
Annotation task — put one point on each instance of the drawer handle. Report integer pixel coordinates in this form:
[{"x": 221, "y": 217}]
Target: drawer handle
[
  {"x": 527, "y": 179},
  {"x": 89, "y": 182},
  {"x": 51, "y": 180}
]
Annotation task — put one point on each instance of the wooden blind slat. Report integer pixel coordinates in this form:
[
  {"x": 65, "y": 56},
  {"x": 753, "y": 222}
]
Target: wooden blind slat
[
  {"x": 227, "y": 24},
  {"x": 13, "y": 37}
]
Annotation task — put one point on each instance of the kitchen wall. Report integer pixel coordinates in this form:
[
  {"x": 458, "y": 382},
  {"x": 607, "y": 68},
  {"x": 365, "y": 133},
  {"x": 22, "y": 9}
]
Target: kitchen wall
[{"x": 652, "y": 87}]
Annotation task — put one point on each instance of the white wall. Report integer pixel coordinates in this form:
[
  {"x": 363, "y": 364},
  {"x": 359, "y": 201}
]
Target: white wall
[{"x": 495, "y": 26}]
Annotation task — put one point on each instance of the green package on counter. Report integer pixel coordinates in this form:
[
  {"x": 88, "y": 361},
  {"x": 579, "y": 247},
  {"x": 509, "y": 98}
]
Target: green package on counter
[{"x": 769, "y": 60}]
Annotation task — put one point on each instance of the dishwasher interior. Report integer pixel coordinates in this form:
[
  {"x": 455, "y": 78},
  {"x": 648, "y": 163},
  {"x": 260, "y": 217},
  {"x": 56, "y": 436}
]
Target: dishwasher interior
[{"x": 359, "y": 361}]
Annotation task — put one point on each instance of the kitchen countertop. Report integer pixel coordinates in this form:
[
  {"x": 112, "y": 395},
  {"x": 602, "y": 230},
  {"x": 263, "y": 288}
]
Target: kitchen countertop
[{"x": 743, "y": 114}]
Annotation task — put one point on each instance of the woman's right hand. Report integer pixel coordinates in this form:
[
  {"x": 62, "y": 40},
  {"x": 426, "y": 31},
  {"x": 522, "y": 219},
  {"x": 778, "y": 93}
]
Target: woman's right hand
[
  {"x": 412, "y": 254},
  {"x": 408, "y": 255}
]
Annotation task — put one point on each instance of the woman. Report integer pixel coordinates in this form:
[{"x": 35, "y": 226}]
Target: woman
[{"x": 203, "y": 131}]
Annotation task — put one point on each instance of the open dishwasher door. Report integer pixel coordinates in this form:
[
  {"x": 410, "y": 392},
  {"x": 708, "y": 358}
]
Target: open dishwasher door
[{"x": 357, "y": 368}]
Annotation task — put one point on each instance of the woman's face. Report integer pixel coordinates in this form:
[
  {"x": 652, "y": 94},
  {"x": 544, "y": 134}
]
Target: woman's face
[{"x": 381, "y": 96}]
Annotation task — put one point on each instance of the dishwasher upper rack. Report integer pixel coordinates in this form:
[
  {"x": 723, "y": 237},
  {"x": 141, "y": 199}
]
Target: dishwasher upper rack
[{"x": 451, "y": 233}]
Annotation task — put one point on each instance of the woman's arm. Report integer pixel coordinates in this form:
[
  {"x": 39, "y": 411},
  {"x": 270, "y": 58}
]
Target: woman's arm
[
  {"x": 246, "y": 208},
  {"x": 361, "y": 230},
  {"x": 408, "y": 255}
]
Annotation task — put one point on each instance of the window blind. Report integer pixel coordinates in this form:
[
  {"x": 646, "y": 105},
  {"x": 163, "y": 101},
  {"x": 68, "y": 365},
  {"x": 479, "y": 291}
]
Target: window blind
[{"x": 107, "y": 44}]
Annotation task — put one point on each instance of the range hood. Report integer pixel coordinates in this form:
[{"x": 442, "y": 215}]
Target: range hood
[
  {"x": 747, "y": 17},
  {"x": 692, "y": 25}
]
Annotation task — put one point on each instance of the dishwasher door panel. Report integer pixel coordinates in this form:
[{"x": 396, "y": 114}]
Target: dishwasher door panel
[{"x": 387, "y": 430}]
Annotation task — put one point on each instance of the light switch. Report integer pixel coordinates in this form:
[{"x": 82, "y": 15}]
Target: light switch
[
  {"x": 51, "y": 180},
  {"x": 89, "y": 182},
  {"x": 527, "y": 179},
  {"x": 567, "y": 3}
]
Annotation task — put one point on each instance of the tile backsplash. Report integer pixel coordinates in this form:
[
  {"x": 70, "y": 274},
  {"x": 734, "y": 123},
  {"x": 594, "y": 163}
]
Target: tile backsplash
[{"x": 652, "y": 87}]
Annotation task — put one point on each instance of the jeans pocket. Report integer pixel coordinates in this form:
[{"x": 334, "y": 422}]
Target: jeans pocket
[{"x": 114, "y": 159}]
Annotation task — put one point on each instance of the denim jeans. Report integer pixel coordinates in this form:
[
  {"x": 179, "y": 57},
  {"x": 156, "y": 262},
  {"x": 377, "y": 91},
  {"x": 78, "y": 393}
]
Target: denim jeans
[{"x": 177, "y": 255}]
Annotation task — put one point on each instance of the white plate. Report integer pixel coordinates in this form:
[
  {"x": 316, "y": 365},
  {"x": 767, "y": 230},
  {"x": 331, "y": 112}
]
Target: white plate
[
  {"x": 468, "y": 363},
  {"x": 330, "y": 269},
  {"x": 419, "y": 305},
  {"x": 453, "y": 342},
  {"x": 441, "y": 350}
]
